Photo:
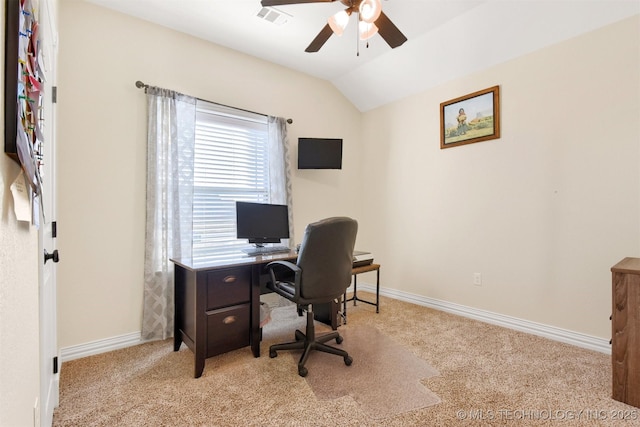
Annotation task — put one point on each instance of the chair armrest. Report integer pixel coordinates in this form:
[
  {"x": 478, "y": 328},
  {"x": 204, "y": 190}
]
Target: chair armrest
[{"x": 289, "y": 266}]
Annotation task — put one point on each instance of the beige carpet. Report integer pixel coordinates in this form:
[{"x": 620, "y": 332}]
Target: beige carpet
[
  {"x": 488, "y": 376},
  {"x": 379, "y": 363}
]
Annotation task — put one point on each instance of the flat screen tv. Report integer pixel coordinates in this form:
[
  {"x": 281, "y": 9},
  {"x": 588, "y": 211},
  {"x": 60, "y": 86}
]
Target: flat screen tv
[
  {"x": 319, "y": 153},
  {"x": 262, "y": 223}
]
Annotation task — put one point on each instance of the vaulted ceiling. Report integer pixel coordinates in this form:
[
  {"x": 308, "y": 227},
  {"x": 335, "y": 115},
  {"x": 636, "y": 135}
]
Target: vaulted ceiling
[{"x": 447, "y": 39}]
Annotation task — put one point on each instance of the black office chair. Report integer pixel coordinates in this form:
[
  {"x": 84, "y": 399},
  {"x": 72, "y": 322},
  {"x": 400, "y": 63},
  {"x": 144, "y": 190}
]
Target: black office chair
[{"x": 321, "y": 275}]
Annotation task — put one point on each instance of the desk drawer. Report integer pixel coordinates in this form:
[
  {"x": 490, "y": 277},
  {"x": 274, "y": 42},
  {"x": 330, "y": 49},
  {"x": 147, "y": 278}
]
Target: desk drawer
[
  {"x": 228, "y": 329},
  {"x": 228, "y": 287}
]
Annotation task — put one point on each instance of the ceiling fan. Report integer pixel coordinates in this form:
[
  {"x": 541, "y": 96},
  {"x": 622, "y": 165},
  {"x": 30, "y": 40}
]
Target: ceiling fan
[{"x": 371, "y": 20}]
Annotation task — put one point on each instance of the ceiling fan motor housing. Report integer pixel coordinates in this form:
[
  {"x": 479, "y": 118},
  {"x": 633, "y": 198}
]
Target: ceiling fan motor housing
[{"x": 370, "y": 11}]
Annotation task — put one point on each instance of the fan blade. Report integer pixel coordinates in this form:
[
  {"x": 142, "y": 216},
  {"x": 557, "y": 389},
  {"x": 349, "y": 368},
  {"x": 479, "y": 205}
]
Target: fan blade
[
  {"x": 389, "y": 32},
  {"x": 267, "y": 3},
  {"x": 320, "y": 39}
]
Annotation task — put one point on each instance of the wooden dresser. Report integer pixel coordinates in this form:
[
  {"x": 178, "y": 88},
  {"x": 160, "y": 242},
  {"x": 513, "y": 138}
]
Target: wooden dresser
[{"x": 625, "y": 330}]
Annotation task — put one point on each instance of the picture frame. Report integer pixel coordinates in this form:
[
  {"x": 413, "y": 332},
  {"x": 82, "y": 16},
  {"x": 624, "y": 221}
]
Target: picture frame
[{"x": 470, "y": 118}]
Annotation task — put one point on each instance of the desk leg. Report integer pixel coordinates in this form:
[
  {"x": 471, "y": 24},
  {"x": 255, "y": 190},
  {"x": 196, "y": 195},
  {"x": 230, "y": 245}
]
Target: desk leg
[
  {"x": 255, "y": 335},
  {"x": 378, "y": 291},
  {"x": 199, "y": 367},
  {"x": 177, "y": 333},
  {"x": 179, "y": 278},
  {"x": 344, "y": 307},
  {"x": 355, "y": 287},
  {"x": 255, "y": 342},
  {"x": 327, "y": 313}
]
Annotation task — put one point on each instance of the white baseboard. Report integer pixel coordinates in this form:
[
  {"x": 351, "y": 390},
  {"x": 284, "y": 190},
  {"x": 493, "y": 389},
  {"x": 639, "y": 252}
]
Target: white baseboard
[
  {"x": 100, "y": 346},
  {"x": 558, "y": 334}
]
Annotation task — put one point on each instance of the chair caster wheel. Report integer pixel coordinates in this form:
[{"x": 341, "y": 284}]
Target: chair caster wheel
[
  {"x": 339, "y": 339},
  {"x": 302, "y": 371},
  {"x": 272, "y": 354},
  {"x": 348, "y": 360}
]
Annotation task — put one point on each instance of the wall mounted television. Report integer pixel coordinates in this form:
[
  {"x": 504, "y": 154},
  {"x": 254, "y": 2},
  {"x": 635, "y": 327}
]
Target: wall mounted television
[
  {"x": 319, "y": 153},
  {"x": 262, "y": 223}
]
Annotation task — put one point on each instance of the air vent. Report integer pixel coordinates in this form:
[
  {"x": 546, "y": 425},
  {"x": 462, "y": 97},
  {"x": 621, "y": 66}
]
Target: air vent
[{"x": 273, "y": 15}]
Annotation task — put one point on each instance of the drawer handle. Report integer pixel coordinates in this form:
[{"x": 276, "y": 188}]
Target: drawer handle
[
  {"x": 229, "y": 320},
  {"x": 229, "y": 279}
]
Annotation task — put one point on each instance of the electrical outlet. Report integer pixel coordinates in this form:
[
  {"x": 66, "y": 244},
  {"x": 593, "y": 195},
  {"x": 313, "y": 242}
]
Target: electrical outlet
[{"x": 477, "y": 279}]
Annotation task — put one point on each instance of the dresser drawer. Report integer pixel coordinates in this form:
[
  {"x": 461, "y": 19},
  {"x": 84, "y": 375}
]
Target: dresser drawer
[
  {"x": 228, "y": 329},
  {"x": 228, "y": 287}
]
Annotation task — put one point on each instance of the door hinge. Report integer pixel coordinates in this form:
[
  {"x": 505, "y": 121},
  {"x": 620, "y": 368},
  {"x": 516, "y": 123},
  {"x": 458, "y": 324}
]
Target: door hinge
[
  {"x": 54, "y": 94},
  {"x": 55, "y": 365},
  {"x": 54, "y": 229}
]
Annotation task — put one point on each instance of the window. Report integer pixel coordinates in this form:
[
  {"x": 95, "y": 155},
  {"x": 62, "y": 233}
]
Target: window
[{"x": 231, "y": 163}]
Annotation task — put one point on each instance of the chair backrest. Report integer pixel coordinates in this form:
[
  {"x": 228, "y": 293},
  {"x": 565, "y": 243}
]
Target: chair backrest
[{"x": 326, "y": 258}]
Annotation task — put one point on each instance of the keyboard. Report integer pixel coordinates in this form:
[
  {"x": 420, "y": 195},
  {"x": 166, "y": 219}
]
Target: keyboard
[{"x": 266, "y": 250}]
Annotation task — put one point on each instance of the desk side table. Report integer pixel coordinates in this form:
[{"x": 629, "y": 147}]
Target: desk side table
[{"x": 354, "y": 298}]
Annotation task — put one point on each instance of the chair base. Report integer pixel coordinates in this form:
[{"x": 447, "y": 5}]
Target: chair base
[{"x": 309, "y": 342}]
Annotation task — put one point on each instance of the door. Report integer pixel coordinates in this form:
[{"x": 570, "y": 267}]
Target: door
[{"x": 49, "y": 376}]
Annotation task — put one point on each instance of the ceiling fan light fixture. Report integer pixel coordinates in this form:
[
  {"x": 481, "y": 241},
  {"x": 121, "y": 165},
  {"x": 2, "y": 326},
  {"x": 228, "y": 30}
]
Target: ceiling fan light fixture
[
  {"x": 370, "y": 10},
  {"x": 367, "y": 30},
  {"x": 338, "y": 22}
]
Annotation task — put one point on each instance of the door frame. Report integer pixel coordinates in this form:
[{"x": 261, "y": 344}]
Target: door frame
[{"x": 47, "y": 232}]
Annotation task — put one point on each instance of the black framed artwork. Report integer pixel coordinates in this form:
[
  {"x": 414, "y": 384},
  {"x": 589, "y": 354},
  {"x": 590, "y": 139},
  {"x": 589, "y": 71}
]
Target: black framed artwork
[{"x": 23, "y": 87}]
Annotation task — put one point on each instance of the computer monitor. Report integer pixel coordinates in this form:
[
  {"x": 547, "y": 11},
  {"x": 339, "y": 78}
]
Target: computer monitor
[{"x": 262, "y": 223}]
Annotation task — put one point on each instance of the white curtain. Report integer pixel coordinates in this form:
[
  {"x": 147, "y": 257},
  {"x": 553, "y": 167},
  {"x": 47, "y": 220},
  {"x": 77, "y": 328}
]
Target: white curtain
[
  {"x": 280, "y": 191},
  {"x": 170, "y": 151}
]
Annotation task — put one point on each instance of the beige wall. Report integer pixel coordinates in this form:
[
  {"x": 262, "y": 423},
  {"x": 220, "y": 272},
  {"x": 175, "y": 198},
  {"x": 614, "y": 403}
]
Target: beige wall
[
  {"x": 101, "y": 151},
  {"x": 542, "y": 213},
  {"x": 19, "y": 329}
]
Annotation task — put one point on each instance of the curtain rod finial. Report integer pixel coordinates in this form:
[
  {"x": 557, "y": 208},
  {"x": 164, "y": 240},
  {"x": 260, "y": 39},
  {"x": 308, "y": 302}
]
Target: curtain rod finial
[
  {"x": 289, "y": 121},
  {"x": 140, "y": 85}
]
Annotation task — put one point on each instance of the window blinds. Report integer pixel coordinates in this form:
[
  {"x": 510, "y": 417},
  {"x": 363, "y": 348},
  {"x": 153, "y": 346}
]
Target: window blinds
[{"x": 231, "y": 163}]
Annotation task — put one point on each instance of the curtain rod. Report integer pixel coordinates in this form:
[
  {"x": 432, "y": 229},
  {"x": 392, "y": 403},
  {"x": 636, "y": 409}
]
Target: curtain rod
[{"x": 141, "y": 85}]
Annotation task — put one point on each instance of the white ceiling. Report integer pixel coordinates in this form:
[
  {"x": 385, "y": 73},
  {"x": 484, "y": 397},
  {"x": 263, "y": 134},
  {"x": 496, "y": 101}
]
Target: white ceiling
[{"x": 447, "y": 39}]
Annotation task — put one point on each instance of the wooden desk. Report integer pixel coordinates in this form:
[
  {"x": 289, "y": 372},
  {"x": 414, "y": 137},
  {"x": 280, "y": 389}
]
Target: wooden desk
[{"x": 217, "y": 305}]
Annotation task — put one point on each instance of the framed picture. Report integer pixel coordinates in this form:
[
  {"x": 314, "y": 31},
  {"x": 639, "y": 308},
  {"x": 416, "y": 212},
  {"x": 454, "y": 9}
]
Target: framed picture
[{"x": 470, "y": 118}]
